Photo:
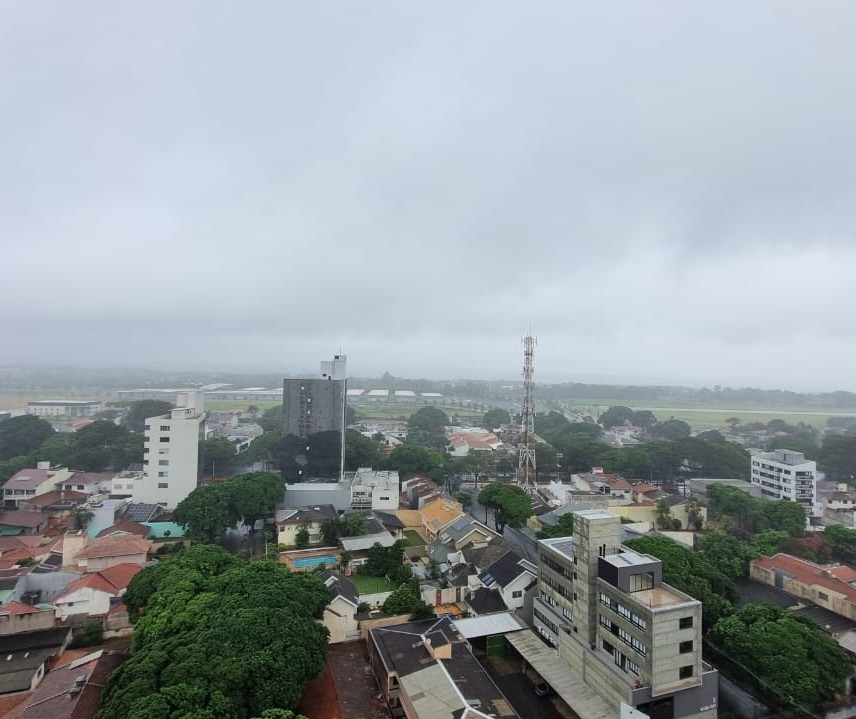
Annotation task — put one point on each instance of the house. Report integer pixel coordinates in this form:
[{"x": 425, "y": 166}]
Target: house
[
  {"x": 87, "y": 482},
  {"x": 21, "y": 521},
  {"x": 390, "y": 522},
  {"x": 427, "y": 670},
  {"x": 512, "y": 576},
  {"x": 289, "y": 522},
  {"x": 358, "y": 547},
  {"x": 26, "y": 655},
  {"x": 95, "y": 592},
  {"x": 29, "y": 483},
  {"x": 616, "y": 488},
  {"x": 340, "y": 612},
  {"x": 437, "y": 514},
  {"x": 831, "y": 587},
  {"x": 125, "y": 526},
  {"x": 16, "y": 617},
  {"x": 486, "y": 601},
  {"x": 73, "y": 690},
  {"x": 82, "y": 555},
  {"x": 54, "y": 504}
]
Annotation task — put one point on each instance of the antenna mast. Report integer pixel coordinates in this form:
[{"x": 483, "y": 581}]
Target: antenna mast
[{"x": 526, "y": 460}]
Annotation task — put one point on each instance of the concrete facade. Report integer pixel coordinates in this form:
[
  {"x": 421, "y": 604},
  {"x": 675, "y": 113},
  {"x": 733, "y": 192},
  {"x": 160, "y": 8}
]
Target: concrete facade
[
  {"x": 632, "y": 638},
  {"x": 63, "y": 408},
  {"x": 171, "y": 453}
]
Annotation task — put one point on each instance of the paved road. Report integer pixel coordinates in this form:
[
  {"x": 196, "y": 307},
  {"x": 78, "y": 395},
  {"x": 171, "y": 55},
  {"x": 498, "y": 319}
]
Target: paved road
[{"x": 518, "y": 540}]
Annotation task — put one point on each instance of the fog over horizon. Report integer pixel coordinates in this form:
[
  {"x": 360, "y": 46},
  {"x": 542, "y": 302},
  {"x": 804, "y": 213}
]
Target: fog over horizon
[{"x": 664, "y": 194}]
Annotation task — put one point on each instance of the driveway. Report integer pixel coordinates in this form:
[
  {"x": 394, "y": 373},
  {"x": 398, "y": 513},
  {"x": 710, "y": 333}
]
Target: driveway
[{"x": 519, "y": 689}]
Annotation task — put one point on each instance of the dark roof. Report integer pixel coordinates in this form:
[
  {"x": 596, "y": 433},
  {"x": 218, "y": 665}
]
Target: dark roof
[
  {"x": 459, "y": 574},
  {"x": 387, "y": 519},
  {"x": 483, "y": 557},
  {"x": 17, "y": 668},
  {"x": 503, "y": 571},
  {"x": 674, "y": 500},
  {"x": 338, "y": 585},
  {"x": 316, "y": 513},
  {"x": 23, "y": 518},
  {"x": 830, "y": 622},
  {"x": 139, "y": 512},
  {"x": 486, "y": 601},
  {"x": 33, "y": 640}
]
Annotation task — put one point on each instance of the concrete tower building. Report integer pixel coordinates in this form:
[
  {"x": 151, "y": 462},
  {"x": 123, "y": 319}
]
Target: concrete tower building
[
  {"x": 171, "y": 452},
  {"x": 788, "y": 475},
  {"x": 317, "y": 404}
]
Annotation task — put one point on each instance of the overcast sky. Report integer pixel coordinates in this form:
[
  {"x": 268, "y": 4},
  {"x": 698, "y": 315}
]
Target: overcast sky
[{"x": 664, "y": 191}]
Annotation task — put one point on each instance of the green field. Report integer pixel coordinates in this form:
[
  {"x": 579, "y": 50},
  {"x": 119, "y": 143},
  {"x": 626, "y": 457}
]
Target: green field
[
  {"x": 223, "y": 405},
  {"x": 412, "y": 539},
  {"x": 391, "y": 410},
  {"x": 370, "y": 585}
]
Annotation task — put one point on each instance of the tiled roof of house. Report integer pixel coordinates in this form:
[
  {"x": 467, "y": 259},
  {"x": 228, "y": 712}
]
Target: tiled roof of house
[
  {"x": 12, "y": 705},
  {"x": 440, "y": 512},
  {"x": 29, "y": 479},
  {"x": 120, "y": 575},
  {"x": 835, "y": 579},
  {"x": 23, "y": 518},
  {"x": 306, "y": 515},
  {"x": 16, "y": 608},
  {"x": 55, "y": 497},
  {"x": 125, "y": 526},
  {"x": 116, "y": 546},
  {"x": 486, "y": 601},
  {"x": 110, "y": 581},
  {"x": 504, "y": 570}
]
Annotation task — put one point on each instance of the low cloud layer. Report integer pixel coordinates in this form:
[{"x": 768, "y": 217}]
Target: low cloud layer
[{"x": 664, "y": 192}]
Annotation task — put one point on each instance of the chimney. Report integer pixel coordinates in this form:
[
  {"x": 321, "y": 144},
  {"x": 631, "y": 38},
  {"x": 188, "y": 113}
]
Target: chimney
[{"x": 73, "y": 544}]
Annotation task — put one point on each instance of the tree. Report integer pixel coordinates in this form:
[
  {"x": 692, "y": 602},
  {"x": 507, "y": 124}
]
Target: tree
[
  {"x": 360, "y": 451},
  {"x": 792, "y": 657},
  {"x": 406, "y": 600},
  {"x": 465, "y": 498},
  {"x": 58, "y": 449},
  {"x": 144, "y": 409},
  {"x": 733, "y": 423},
  {"x": 200, "y": 605},
  {"x": 10, "y": 467},
  {"x": 105, "y": 445},
  {"x": 616, "y": 416},
  {"x": 348, "y": 525},
  {"x": 671, "y": 429},
  {"x": 837, "y": 456},
  {"x": 511, "y": 505},
  {"x": 429, "y": 420},
  {"x": 207, "y": 512},
  {"x": 551, "y": 423},
  {"x": 842, "y": 542},
  {"x": 663, "y": 515},
  {"x": 564, "y": 527},
  {"x": 216, "y": 454},
  {"x": 254, "y": 496},
  {"x": 301, "y": 537},
  {"x": 495, "y": 417},
  {"x": 271, "y": 420},
  {"x": 409, "y": 459},
  {"x": 20, "y": 436},
  {"x": 727, "y": 553}
]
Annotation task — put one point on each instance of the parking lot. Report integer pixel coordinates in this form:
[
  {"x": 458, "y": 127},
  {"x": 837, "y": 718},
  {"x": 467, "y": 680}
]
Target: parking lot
[{"x": 520, "y": 690}]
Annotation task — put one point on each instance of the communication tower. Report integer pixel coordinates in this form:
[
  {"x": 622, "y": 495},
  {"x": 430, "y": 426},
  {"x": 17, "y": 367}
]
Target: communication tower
[{"x": 526, "y": 449}]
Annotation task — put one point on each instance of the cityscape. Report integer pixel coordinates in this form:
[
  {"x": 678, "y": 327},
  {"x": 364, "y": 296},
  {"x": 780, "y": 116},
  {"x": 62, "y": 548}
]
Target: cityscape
[{"x": 480, "y": 360}]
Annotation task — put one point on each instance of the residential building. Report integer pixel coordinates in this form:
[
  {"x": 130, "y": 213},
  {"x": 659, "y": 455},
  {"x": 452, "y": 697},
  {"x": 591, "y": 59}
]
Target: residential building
[
  {"x": 437, "y": 514},
  {"x": 123, "y": 484},
  {"x": 17, "y": 617},
  {"x": 96, "y": 592},
  {"x": 26, "y": 656},
  {"x": 63, "y": 408},
  {"x": 512, "y": 576},
  {"x": 831, "y": 587},
  {"x": 29, "y": 483},
  {"x": 22, "y": 521},
  {"x": 784, "y": 474},
  {"x": 83, "y": 555},
  {"x": 628, "y": 635},
  {"x": 700, "y": 485},
  {"x": 375, "y": 490},
  {"x": 289, "y": 522},
  {"x": 314, "y": 405},
  {"x": 617, "y": 489},
  {"x": 426, "y": 670},
  {"x": 87, "y": 482},
  {"x": 340, "y": 613},
  {"x": 171, "y": 453}
]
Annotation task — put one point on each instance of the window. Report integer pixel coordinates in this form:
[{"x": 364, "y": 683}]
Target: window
[
  {"x": 633, "y": 667},
  {"x": 685, "y": 672},
  {"x": 163, "y": 474},
  {"x": 823, "y": 596},
  {"x": 517, "y": 594},
  {"x": 164, "y": 428},
  {"x": 686, "y": 623},
  {"x": 685, "y": 647},
  {"x": 163, "y": 462},
  {"x": 163, "y": 485},
  {"x": 608, "y": 648},
  {"x": 164, "y": 439}
]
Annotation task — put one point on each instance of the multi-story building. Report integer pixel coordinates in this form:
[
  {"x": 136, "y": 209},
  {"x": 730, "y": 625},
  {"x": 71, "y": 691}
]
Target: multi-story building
[
  {"x": 784, "y": 474},
  {"x": 631, "y": 637},
  {"x": 63, "y": 408},
  {"x": 30, "y": 483},
  {"x": 314, "y": 405},
  {"x": 171, "y": 453}
]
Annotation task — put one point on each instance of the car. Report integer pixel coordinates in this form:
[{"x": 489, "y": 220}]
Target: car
[{"x": 543, "y": 689}]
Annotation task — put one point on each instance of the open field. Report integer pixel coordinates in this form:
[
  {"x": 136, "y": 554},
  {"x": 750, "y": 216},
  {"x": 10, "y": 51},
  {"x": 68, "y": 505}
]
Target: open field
[
  {"x": 392, "y": 410},
  {"x": 370, "y": 585},
  {"x": 223, "y": 405},
  {"x": 412, "y": 539}
]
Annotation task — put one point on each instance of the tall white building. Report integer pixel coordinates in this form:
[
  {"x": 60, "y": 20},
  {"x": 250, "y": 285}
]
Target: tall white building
[
  {"x": 171, "y": 453},
  {"x": 785, "y": 474}
]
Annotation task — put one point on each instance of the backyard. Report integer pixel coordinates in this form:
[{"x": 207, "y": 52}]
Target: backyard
[
  {"x": 366, "y": 584},
  {"x": 412, "y": 539}
]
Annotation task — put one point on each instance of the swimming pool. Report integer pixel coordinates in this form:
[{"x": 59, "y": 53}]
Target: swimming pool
[{"x": 304, "y": 562}]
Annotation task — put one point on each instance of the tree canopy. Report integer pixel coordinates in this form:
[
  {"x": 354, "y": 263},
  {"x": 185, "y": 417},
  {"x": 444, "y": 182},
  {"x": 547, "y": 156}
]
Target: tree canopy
[
  {"x": 511, "y": 506},
  {"x": 140, "y": 411},
  {"x": 19, "y": 436},
  {"x": 496, "y": 417},
  {"x": 205, "y": 604}
]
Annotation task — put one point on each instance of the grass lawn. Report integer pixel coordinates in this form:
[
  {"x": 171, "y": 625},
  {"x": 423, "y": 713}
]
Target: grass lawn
[
  {"x": 223, "y": 405},
  {"x": 412, "y": 539},
  {"x": 394, "y": 410},
  {"x": 370, "y": 585}
]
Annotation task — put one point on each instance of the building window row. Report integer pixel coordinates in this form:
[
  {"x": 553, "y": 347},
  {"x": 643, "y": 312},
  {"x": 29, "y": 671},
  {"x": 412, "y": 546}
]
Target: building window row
[
  {"x": 555, "y": 566},
  {"x": 546, "y": 622},
  {"x": 621, "y": 660},
  {"x": 623, "y": 635},
  {"x": 623, "y": 611}
]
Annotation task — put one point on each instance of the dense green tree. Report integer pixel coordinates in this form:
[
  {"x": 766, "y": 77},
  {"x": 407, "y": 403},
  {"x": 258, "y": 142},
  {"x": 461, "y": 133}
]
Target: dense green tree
[
  {"x": 796, "y": 443},
  {"x": 429, "y": 420},
  {"x": 20, "y": 436},
  {"x": 406, "y": 600},
  {"x": 670, "y": 429},
  {"x": 616, "y": 416},
  {"x": 511, "y": 505},
  {"x": 10, "y": 467},
  {"x": 466, "y": 499},
  {"x": 747, "y": 515},
  {"x": 550, "y": 423},
  {"x": 105, "y": 445},
  {"x": 713, "y": 459},
  {"x": 301, "y": 537},
  {"x": 409, "y": 459},
  {"x": 254, "y": 496},
  {"x": 216, "y": 455},
  {"x": 271, "y": 420},
  {"x": 545, "y": 459},
  {"x": 792, "y": 657},
  {"x": 207, "y": 512},
  {"x": 140, "y": 411},
  {"x": 644, "y": 418},
  {"x": 348, "y": 525},
  {"x": 727, "y": 553},
  {"x": 361, "y": 451},
  {"x": 837, "y": 457},
  {"x": 495, "y": 417},
  {"x": 842, "y": 542},
  {"x": 633, "y": 462},
  {"x": 209, "y": 605},
  {"x": 58, "y": 449}
]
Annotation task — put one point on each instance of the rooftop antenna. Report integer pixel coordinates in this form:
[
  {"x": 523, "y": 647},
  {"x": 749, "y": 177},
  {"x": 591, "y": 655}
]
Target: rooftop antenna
[{"x": 526, "y": 449}]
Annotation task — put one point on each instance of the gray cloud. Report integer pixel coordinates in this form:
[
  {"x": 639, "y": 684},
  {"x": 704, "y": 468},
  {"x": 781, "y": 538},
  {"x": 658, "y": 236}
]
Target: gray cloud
[{"x": 664, "y": 191}]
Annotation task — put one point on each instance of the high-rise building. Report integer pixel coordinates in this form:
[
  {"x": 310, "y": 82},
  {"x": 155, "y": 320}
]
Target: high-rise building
[
  {"x": 788, "y": 475},
  {"x": 171, "y": 452},
  {"x": 632, "y": 638},
  {"x": 312, "y": 409}
]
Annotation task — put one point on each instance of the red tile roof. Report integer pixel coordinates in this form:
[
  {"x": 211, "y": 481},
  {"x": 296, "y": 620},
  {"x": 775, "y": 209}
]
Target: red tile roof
[
  {"x": 23, "y": 518},
  {"x": 809, "y": 573},
  {"x": 116, "y": 546},
  {"x": 110, "y": 581},
  {"x": 121, "y": 575},
  {"x": 12, "y": 705},
  {"x": 18, "y": 608},
  {"x": 54, "y": 497},
  {"x": 126, "y": 526}
]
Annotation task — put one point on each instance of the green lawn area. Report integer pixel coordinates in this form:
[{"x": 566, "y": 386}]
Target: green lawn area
[
  {"x": 395, "y": 410},
  {"x": 412, "y": 539},
  {"x": 370, "y": 585},
  {"x": 223, "y": 405}
]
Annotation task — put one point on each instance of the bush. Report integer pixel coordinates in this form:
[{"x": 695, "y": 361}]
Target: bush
[{"x": 91, "y": 634}]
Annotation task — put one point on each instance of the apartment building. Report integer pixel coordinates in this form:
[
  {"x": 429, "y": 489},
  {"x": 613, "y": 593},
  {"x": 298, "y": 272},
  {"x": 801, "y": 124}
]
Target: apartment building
[
  {"x": 628, "y": 635},
  {"x": 784, "y": 474},
  {"x": 171, "y": 453},
  {"x": 63, "y": 407}
]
